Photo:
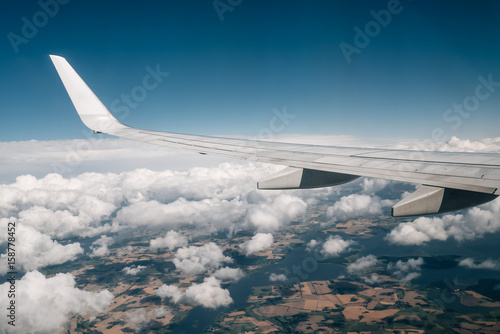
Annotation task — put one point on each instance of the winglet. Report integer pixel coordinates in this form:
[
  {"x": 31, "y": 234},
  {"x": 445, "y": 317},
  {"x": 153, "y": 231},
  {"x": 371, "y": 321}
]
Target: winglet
[{"x": 90, "y": 109}]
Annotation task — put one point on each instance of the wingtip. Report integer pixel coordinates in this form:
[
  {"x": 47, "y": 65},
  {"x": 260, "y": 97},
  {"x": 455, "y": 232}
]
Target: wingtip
[{"x": 52, "y": 57}]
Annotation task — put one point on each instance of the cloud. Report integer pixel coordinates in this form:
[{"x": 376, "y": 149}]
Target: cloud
[
  {"x": 72, "y": 157},
  {"x": 171, "y": 240},
  {"x": 159, "y": 312},
  {"x": 124, "y": 251},
  {"x": 258, "y": 243},
  {"x": 372, "y": 280},
  {"x": 455, "y": 144},
  {"x": 362, "y": 263},
  {"x": 273, "y": 216},
  {"x": 44, "y": 305},
  {"x": 100, "y": 248},
  {"x": 228, "y": 274},
  {"x": 35, "y": 250},
  {"x": 133, "y": 270},
  {"x": 311, "y": 245},
  {"x": 208, "y": 294},
  {"x": 486, "y": 264},
  {"x": 137, "y": 316},
  {"x": 406, "y": 271},
  {"x": 180, "y": 212},
  {"x": 277, "y": 277},
  {"x": 82, "y": 205},
  {"x": 472, "y": 225},
  {"x": 373, "y": 186},
  {"x": 355, "y": 205},
  {"x": 335, "y": 245},
  {"x": 197, "y": 260}
]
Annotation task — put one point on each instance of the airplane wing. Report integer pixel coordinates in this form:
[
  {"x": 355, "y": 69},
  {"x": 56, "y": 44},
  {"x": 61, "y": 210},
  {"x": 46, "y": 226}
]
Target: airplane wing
[{"x": 450, "y": 181}]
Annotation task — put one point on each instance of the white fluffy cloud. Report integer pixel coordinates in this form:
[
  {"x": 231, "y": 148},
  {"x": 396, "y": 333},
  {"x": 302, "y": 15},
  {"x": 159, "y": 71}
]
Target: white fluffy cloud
[
  {"x": 258, "y": 243},
  {"x": 100, "y": 247},
  {"x": 200, "y": 259},
  {"x": 356, "y": 205},
  {"x": 228, "y": 274},
  {"x": 171, "y": 240},
  {"x": 82, "y": 205},
  {"x": 277, "y": 277},
  {"x": 335, "y": 245},
  {"x": 362, "y": 263},
  {"x": 273, "y": 216},
  {"x": 406, "y": 271},
  {"x": 486, "y": 264},
  {"x": 311, "y": 245},
  {"x": 35, "y": 250},
  {"x": 372, "y": 186},
  {"x": 473, "y": 224},
  {"x": 45, "y": 304},
  {"x": 133, "y": 270},
  {"x": 208, "y": 294}
]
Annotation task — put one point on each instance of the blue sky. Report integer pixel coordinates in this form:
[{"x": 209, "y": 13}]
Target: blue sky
[{"x": 227, "y": 76}]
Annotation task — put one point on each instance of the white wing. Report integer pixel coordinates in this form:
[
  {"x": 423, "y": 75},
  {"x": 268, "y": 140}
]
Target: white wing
[{"x": 450, "y": 181}]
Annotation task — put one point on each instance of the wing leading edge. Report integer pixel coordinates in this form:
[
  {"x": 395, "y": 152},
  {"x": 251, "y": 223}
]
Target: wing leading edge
[{"x": 451, "y": 181}]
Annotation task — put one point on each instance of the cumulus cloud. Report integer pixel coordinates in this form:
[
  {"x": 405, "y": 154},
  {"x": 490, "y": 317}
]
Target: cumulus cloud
[
  {"x": 373, "y": 186},
  {"x": 228, "y": 274},
  {"x": 45, "y": 304},
  {"x": 373, "y": 279},
  {"x": 473, "y": 224},
  {"x": 171, "y": 240},
  {"x": 273, "y": 216},
  {"x": 258, "y": 243},
  {"x": 486, "y": 264},
  {"x": 83, "y": 205},
  {"x": 277, "y": 277},
  {"x": 311, "y": 245},
  {"x": 100, "y": 247},
  {"x": 406, "y": 271},
  {"x": 208, "y": 294},
  {"x": 356, "y": 205},
  {"x": 36, "y": 250},
  {"x": 180, "y": 212},
  {"x": 200, "y": 259},
  {"x": 362, "y": 263},
  {"x": 335, "y": 245},
  {"x": 133, "y": 270}
]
